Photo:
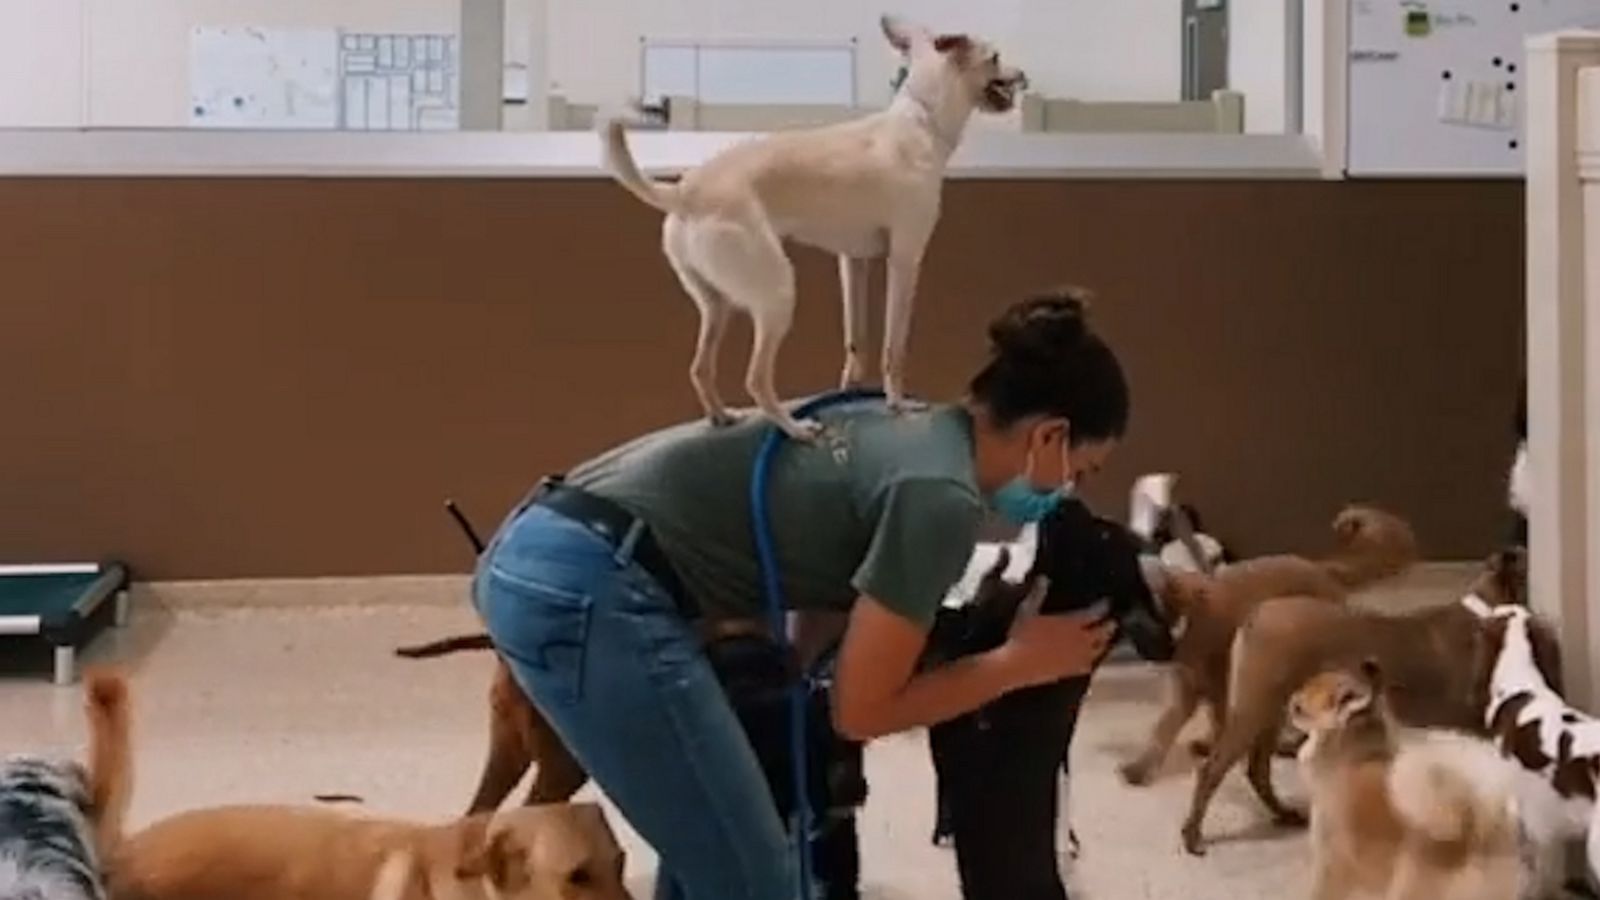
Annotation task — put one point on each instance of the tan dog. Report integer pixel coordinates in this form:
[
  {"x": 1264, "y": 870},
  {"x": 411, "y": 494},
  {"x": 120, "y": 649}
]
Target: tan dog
[
  {"x": 1401, "y": 817},
  {"x": 1437, "y": 663},
  {"x": 1370, "y": 545},
  {"x": 863, "y": 190},
  {"x": 553, "y": 852}
]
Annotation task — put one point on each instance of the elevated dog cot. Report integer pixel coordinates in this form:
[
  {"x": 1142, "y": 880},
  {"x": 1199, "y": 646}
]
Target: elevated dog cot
[{"x": 63, "y": 605}]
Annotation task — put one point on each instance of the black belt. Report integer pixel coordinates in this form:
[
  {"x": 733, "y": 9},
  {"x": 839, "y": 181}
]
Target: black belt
[{"x": 614, "y": 524}]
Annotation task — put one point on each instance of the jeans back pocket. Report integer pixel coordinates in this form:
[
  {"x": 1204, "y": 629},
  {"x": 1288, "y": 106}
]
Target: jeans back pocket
[{"x": 543, "y": 631}]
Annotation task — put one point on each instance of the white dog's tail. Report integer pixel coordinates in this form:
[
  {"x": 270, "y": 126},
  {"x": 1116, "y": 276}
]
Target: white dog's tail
[
  {"x": 619, "y": 160},
  {"x": 1455, "y": 790}
]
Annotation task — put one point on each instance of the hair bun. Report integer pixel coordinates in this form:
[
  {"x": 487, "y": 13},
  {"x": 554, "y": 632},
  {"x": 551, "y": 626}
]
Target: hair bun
[{"x": 1042, "y": 328}]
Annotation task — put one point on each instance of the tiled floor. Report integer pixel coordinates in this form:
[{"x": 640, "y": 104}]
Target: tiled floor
[{"x": 278, "y": 705}]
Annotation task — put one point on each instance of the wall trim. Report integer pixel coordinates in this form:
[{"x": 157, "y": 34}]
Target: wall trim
[{"x": 454, "y": 590}]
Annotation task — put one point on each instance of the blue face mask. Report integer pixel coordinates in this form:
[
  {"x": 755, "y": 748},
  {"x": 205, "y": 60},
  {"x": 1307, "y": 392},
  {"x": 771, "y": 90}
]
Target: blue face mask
[{"x": 1021, "y": 503}]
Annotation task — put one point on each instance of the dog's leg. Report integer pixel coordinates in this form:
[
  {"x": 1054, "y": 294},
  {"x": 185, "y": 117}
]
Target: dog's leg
[
  {"x": 744, "y": 259},
  {"x": 1216, "y": 717},
  {"x": 510, "y": 751},
  {"x": 904, "y": 265},
  {"x": 771, "y": 327},
  {"x": 1186, "y": 696},
  {"x": 853, "y": 285},
  {"x": 560, "y": 775},
  {"x": 708, "y": 344},
  {"x": 1244, "y": 728},
  {"x": 1329, "y": 881},
  {"x": 1259, "y": 771}
]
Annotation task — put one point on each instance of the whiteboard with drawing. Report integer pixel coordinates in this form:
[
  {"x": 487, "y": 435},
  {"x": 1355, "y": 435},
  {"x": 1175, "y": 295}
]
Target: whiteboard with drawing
[
  {"x": 248, "y": 77},
  {"x": 1436, "y": 85}
]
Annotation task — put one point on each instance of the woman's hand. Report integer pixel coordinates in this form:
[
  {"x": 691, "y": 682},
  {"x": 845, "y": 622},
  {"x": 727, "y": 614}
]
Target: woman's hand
[{"x": 1042, "y": 649}]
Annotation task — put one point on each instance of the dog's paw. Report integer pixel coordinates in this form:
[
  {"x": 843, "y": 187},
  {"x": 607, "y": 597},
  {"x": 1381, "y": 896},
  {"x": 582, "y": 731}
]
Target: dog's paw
[
  {"x": 905, "y": 406},
  {"x": 723, "y": 418},
  {"x": 808, "y": 430},
  {"x": 1193, "y": 844},
  {"x": 1136, "y": 773}
]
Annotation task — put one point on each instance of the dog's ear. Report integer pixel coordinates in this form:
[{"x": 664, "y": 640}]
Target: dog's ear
[
  {"x": 494, "y": 857},
  {"x": 900, "y": 33},
  {"x": 1372, "y": 672},
  {"x": 958, "y": 46}
]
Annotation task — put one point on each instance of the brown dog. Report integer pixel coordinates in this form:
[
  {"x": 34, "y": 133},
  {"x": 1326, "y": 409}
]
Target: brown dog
[
  {"x": 519, "y": 735},
  {"x": 1370, "y": 545},
  {"x": 553, "y": 852},
  {"x": 1438, "y": 663}
]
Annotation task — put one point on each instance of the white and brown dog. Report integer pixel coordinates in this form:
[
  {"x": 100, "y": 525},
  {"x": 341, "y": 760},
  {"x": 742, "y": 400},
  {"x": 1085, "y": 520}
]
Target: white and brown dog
[
  {"x": 863, "y": 190},
  {"x": 1556, "y": 746}
]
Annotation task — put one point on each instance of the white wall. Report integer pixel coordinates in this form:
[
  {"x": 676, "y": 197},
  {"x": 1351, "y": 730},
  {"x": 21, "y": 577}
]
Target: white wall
[
  {"x": 138, "y": 52},
  {"x": 125, "y": 63},
  {"x": 1091, "y": 49},
  {"x": 1257, "y": 59},
  {"x": 139, "y": 49},
  {"x": 41, "y": 63}
]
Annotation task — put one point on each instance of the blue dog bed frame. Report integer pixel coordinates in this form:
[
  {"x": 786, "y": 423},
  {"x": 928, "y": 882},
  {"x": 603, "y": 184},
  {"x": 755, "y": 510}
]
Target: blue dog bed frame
[{"x": 64, "y": 605}]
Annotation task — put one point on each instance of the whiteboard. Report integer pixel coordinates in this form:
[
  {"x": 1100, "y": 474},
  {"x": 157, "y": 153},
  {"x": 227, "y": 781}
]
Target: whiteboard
[
  {"x": 277, "y": 78},
  {"x": 1435, "y": 88},
  {"x": 774, "y": 74}
]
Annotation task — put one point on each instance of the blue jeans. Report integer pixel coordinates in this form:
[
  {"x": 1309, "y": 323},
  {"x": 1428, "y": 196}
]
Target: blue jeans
[{"x": 602, "y": 651}]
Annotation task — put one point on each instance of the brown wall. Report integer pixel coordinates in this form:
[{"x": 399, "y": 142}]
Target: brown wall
[{"x": 217, "y": 378}]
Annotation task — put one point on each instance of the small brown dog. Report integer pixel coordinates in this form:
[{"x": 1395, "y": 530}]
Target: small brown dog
[
  {"x": 1370, "y": 545},
  {"x": 1438, "y": 663},
  {"x": 552, "y": 852},
  {"x": 519, "y": 735},
  {"x": 1424, "y": 816}
]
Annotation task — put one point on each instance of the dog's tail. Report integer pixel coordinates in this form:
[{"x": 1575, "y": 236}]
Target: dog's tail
[
  {"x": 446, "y": 646},
  {"x": 1370, "y": 545},
  {"x": 1455, "y": 790},
  {"x": 619, "y": 160},
  {"x": 110, "y": 756}
]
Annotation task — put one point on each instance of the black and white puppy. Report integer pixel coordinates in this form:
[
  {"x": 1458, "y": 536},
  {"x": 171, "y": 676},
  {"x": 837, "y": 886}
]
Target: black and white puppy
[
  {"x": 58, "y": 819},
  {"x": 996, "y": 767}
]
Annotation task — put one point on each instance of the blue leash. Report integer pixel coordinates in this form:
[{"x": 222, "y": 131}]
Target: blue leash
[{"x": 777, "y": 621}]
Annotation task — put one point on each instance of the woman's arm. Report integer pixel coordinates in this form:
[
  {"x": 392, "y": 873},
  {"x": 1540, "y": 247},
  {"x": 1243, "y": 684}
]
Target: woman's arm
[{"x": 878, "y": 691}]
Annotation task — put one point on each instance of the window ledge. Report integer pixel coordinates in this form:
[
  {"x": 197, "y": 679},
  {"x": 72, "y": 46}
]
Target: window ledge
[{"x": 193, "y": 153}]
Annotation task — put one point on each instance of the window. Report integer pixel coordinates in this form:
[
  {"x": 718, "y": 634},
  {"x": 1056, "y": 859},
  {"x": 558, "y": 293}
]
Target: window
[{"x": 1197, "y": 68}]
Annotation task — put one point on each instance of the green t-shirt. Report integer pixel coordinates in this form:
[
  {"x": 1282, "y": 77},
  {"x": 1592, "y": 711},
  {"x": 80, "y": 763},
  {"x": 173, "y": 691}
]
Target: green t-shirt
[{"x": 883, "y": 504}]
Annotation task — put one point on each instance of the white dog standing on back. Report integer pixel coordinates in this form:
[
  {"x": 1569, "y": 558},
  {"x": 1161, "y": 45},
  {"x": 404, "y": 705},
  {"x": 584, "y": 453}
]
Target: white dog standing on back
[{"x": 863, "y": 190}]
